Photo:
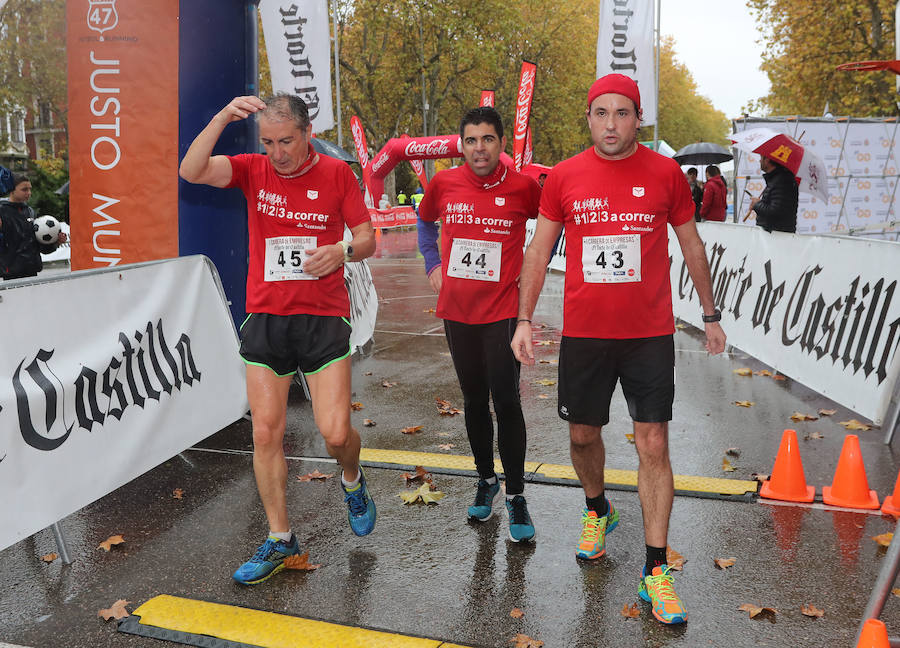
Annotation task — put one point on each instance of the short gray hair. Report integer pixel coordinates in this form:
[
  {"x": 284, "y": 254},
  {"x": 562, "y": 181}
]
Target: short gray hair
[{"x": 283, "y": 106}]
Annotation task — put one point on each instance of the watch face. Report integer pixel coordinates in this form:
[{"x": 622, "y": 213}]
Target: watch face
[{"x": 349, "y": 250}]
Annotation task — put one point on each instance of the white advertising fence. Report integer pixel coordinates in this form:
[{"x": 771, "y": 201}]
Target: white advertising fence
[
  {"x": 105, "y": 375},
  {"x": 861, "y": 159},
  {"x": 818, "y": 309},
  {"x": 299, "y": 52}
]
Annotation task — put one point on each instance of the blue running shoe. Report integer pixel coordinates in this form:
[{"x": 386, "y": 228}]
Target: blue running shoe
[
  {"x": 486, "y": 497},
  {"x": 520, "y": 527},
  {"x": 268, "y": 560},
  {"x": 360, "y": 507}
]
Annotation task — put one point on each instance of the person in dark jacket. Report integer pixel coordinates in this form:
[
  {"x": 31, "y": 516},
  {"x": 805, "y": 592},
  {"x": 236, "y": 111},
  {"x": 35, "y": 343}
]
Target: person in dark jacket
[
  {"x": 696, "y": 191},
  {"x": 20, "y": 252},
  {"x": 776, "y": 207},
  {"x": 714, "y": 196}
]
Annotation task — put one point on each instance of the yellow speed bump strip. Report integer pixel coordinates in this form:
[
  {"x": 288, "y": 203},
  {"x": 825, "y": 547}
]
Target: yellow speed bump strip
[
  {"x": 685, "y": 484},
  {"x": 267, "y": 629}
]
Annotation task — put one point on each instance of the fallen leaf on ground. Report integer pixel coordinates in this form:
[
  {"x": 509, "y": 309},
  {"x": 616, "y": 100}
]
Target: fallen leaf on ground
[
  {"x": 445, "y": 407},
  {"x": 107, "y": 544},
  {"x": 367, "y": 373},
  {"x": 853, "y": 424},
  {"x": 734, "y": 452},
  {"x": 812, "y": 611},
  {"x": 429, "y": 310},
  {"x": 744, "y": 403},
  {"x": 368, "y": 423},
  {"x": 629, "y": 436},
  {"x": 545, "y": 382},
  {"x": 421, "y": 476},
  {"x": 813, "y": 435},
  {"x": 315, "y": 474},
  {"x": 115, "y": 611},
  {"x": 356, "y": 406},
  {"x": 524, "y": 641},
  {"x": 755, "y": 610},
  {"x": 827, "y": 412},
  {"x": 178, "y": 493},
  {"x": 300, "y": 562},
  {"x": 723, "y": 563},
  {"x": 543, "y": 396},
  {"x": 50, "y": 557},
  {"x": 388, "y": 383},
  {"x": 413, "y": 429},
  {"x": 760, "y": 477},
  {"x": 779, "y": 377},
  {"x": 630, "y": 611},
  {"x": 763, "y": 372},
  {"x": 797, "y": 416},
  {"x": 424, "y": 493},
  {"x": 446, "y": 446},
  {"x": 884, "y": 539},
  {"x": 726, "y": 465},
  {"x": 743, "y": 371},
  {"x": 516, "y": 613},
  {"x": 896, "y": 591},
  {"x": 674, "y": 559},
  {"x": 680, "y": 326},
  {"x": 544, "y": 343},
  {"x": 550, "y": 362}
]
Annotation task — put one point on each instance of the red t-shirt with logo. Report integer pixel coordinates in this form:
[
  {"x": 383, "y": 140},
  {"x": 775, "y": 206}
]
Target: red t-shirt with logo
[
  {"x": 482, "y": 240},
  {"x": 617, "y": 262},
  {"x": 287, "y": 216}
]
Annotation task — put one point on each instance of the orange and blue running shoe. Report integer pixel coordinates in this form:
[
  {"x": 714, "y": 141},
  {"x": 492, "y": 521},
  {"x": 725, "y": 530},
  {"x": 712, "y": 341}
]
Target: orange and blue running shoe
[
  {"x": 594, "y": 528},
  {"x": 657, "y": 589}
]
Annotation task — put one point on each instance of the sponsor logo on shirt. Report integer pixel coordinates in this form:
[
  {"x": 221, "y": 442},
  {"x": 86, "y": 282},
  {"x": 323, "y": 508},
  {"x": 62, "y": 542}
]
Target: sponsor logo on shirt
[
  {"x": 499, "y": 201},
  {"x": 312, "y": 194},
  {"x": 637, "y": 192},
  {"x": 597, "y": 210}
]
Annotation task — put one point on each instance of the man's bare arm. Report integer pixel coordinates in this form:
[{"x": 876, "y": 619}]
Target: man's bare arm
[
  {"x": 199, "y": 165},
  {"x": 530, "y": 283},
  {"x": 698, "y": 267}
]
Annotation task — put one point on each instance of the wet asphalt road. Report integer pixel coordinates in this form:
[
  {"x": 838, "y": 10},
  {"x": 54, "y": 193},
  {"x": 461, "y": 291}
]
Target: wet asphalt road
[{"x": 425, "y": 570}]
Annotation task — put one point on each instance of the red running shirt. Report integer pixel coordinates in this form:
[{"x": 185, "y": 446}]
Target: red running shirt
[
  {"x": 482, "y": 240},
  {"x": 287, "y": 216},
  {"x": 617, "y": 262}
]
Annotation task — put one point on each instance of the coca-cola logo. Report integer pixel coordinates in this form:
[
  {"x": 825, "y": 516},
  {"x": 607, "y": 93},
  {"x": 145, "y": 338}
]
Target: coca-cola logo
[
  {"x": 523, "y": 105},
  {"x": 433, "y": 147},
  {"x": 379, "y": 162},
  {"x": 360, "y": 142}
]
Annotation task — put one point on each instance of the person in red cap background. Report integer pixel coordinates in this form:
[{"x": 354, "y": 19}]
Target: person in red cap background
[{"x": 615, "y": 200}]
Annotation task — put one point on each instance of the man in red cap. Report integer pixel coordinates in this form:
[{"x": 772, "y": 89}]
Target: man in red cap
[{"x": 615, "y": 200}]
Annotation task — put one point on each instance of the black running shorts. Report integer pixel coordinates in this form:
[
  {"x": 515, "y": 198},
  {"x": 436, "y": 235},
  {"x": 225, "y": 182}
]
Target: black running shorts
[
  {"x": 285, "y": 342},
  {"x": 590, "y": 367}
]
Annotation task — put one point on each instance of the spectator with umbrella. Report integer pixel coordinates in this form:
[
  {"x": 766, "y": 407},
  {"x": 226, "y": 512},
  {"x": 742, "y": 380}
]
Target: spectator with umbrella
[{"x": 714, "y": 196}]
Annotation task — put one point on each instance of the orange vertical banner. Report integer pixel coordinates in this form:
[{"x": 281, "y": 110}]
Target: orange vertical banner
[{"x": 123, "y": 130}]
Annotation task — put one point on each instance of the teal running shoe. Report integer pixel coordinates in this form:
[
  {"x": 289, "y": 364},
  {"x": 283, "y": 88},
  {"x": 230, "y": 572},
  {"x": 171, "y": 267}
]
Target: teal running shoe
[
  {"x": 267, "y": 561},
  {"x": 487, "y": 496},
  {"x": 360, "y": 507},
  {"x": 521, "y": 528}
]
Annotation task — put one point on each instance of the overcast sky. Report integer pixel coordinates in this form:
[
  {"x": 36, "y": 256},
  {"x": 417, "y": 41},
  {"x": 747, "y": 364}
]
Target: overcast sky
[{"x": 717, "y": 42}]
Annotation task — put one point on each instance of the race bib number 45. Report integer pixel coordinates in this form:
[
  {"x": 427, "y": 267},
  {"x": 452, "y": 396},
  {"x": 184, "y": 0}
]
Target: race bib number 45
[
  {"x": 611, "y": 259},
  {"x": 474, "y": 259},
  {"x": 285, "y": 256}
]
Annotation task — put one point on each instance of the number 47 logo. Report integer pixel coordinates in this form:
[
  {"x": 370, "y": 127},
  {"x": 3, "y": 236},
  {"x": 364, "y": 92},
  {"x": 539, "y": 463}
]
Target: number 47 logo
[{"x": 102, "y": 16}]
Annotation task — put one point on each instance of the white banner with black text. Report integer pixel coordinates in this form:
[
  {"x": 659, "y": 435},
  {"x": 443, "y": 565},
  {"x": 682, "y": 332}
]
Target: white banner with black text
[
  {"x": 105, "y": 375},
  {"x": 819, "y": 309},
  {"x": 299, "y": 51}
]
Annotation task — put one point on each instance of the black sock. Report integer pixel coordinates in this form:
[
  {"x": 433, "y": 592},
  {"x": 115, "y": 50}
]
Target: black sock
[
  {"x": 656, "y": 556},
  {"x": 597, "y": 504}
]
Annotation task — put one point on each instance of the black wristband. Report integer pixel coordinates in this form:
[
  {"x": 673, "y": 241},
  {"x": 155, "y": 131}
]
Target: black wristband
[
  {"x": 523, "y": 320},
  {"x": 715, "y": 317}
]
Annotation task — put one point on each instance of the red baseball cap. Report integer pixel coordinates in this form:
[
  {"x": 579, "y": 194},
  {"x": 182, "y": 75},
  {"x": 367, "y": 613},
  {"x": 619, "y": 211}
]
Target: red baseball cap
[{"x": 618, "y": 84}]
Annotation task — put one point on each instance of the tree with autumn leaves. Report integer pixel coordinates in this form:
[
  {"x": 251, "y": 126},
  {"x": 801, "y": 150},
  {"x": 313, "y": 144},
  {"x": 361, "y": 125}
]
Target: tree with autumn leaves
[{"x": 806, "y": 41}]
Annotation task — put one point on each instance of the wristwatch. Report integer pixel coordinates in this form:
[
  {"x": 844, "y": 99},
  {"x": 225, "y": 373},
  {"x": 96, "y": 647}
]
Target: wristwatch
[
  {"x": 348, "y": 251},
  {"x": 715, "y": 317}
]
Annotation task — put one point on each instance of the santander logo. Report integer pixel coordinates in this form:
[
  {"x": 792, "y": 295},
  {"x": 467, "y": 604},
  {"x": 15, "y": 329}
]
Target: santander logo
[{"x": 433, "y": 147}]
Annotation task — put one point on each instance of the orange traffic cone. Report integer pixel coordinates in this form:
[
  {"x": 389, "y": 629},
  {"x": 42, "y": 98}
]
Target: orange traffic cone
[
  {"x": 891, "y": 504},
  {"x": 874, "y": 635},
  {"x": 788, "y": 482},
  {"x": 850, "y": 487}
]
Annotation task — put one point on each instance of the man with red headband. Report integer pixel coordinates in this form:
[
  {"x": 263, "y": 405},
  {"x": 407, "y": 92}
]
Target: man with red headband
[
  {"x": 615, "y": 200},
  {"x": 298, "y": 203},
  {"x": 483, "y": 206}
]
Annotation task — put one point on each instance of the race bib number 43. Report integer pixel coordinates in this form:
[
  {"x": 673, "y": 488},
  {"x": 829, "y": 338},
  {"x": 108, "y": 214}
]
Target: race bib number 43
[
  {"x": 285, "y": 256},
  {"x": 474, "y": 259},
  {"x": 611, "y": 259}
]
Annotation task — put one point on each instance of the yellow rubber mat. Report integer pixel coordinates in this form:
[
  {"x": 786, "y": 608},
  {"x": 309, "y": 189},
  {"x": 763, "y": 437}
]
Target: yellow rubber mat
[
  {"x": 268, "y": 629},
  {"x": 627, "y": 478}
]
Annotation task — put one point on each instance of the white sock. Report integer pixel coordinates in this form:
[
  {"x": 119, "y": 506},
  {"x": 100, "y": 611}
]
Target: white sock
[
  {"x": 492, "y": 480},
  {"x": 349, "y": 485},
  {"x": 509, "y": 497},
  {"x": 284, "y": 536}
]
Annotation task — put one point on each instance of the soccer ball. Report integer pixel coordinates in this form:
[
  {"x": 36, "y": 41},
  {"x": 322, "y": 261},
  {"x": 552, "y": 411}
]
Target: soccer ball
[{"x": 46, "y": 230}]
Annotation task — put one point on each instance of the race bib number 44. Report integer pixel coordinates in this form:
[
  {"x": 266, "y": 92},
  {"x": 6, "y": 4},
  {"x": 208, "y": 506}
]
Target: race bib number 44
[
  {"x": 474, "y": 259},
  {"x": 611, "y": 259},
  {"x": 285, "y": 256}
]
